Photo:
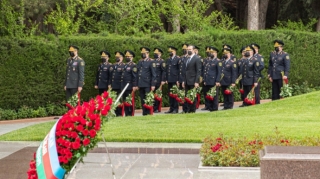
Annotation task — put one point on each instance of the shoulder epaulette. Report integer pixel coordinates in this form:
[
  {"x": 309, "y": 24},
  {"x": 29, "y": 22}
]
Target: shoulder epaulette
[
  {"x": 151, "y": 59},
  {"x": 80, "y": 58}
]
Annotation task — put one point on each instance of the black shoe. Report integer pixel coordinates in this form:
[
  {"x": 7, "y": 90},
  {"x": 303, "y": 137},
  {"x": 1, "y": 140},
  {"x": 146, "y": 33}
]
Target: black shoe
[
  {"x": 174, "y": 112},
  {"x": 205, "y": 108},
  {"x": 155, "y": 111},
  {"x": 242, "y": 105},
  {"x": 168, "y": 112}
]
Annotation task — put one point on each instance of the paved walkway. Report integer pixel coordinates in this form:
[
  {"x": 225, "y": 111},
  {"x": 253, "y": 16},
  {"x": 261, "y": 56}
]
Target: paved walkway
[{"x": 152, "y": 161}]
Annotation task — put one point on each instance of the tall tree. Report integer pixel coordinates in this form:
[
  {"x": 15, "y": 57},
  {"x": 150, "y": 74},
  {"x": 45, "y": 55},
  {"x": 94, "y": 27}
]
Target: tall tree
[
  {"x": 263, "y": 8},
  {"x": 253, "y": 15},
  {"x": 313, "y": 8}
]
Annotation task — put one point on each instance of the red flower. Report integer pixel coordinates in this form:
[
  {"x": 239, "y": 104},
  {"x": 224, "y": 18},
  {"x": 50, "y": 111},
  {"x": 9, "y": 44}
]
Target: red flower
[
  {"x": 85, "y": 132},
  {"x": 75, "y": 145},
  {"x": 219, "y": 138},
  {"x": 188, "y": 100},
  {"x": 79, "y": 128},
  {"x": 241, "y": 91},
  {"x": 86, "y": 141},
  {"x": 209, "y": 97},
  {"x": 227, "y": 92},
  {"x": 127, "y": 104},
  {"x": 93, "y": 133},
  {"x": 109, "y": 101},
  {"x": 97, "y": 127},
  {"x": 105, "y": 95},
  {"x": 216, "y": 148},
  {"x": 89, "y": 124},
  {"x": 286, "y": 81},
  {"x": 253, "y": 152}
]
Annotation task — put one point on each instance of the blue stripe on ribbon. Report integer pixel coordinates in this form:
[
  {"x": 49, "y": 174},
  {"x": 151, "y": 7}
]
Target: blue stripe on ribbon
[{"x": 57, "y": 170}]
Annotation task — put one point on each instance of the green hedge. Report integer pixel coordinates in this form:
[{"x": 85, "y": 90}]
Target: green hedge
[{"x": 33, "y": 69}]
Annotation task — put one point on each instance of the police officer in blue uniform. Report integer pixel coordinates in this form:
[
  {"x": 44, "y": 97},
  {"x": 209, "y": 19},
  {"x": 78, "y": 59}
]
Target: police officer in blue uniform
[
  {"x": 147, "y": 77},
  {"x": 161, "y": 74},
  {"x": 249, "y": 70},
  {"x": 211, "y": 77},
  {"x": 279, "y": 61},
  {"x": 103, "y": 77},
  {"x": 129, "y": 76},
  {"x": 232, "y": 56},
  {"x": 202, "y": 75},
  {"x": 74, "y": 80},
  {"x": 172, "y": 77},
  {"x": 239, "y": 65},
  {"x": 116, "y": 72},
  {"x": 261, "y": 67},
  {"x": 229, "y": 71}
]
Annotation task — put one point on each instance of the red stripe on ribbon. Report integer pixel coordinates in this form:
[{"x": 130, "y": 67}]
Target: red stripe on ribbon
[{"x": 46, "y": 160}]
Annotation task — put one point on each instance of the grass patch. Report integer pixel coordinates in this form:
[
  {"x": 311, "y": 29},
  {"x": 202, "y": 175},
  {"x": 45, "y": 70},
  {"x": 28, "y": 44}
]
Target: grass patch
[{"x": 295, "y": 117}]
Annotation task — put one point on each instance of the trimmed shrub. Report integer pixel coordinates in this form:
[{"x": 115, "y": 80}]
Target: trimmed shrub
[{"x": 33, "y": 69}]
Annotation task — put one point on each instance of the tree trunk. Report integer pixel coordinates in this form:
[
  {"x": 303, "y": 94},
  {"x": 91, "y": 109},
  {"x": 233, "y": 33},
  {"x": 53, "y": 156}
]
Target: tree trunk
[
  {"x": 263, "y": 8},
  {"x": 318, "y": 25},
  {"x": 218, "y": 5},
  {"x": 176, "y": 24},
  {"x": 253, "y": 15}
]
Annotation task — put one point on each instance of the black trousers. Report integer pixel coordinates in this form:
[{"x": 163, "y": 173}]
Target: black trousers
[
  {"x": 173, "y": 103},
  {"x": 70, "y": 92},
  {"x": 241, "y": 95},
  {"x": 190, "y": 108},
  {"x": 212, "y": 105},
  {"x": 228, "y": 100},
  {"x": 156, "y": 103},
  {"x": 246, "y": 89},
  {"x": 257, "y": 93},
  {"x": 276, "y": 89},
  {"x": 101, "y": 90},
  {"x": 127, "y": 109},
  {"x": 143, "y": 92},
  {"x": 118, "y": 110},
  {"x": 205, "y": 89}
]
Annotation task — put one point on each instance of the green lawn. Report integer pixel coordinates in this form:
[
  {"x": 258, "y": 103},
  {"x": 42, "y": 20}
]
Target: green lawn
[{"x": 295, "y": 117}]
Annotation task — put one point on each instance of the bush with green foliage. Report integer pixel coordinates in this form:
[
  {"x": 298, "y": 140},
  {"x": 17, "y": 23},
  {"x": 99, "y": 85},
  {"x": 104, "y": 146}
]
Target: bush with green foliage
[
  {"x": 28, "y": 112},
  {"x": 33, "y": 69},
  {"x": 244, "y": 152}
]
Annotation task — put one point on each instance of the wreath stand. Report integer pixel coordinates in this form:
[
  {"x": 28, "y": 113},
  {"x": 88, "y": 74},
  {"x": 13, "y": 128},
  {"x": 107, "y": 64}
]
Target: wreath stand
[{"x": 105, "y": 144}]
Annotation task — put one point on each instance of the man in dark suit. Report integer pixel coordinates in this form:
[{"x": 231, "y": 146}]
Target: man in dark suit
[{"x": 192, "y": 76}]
